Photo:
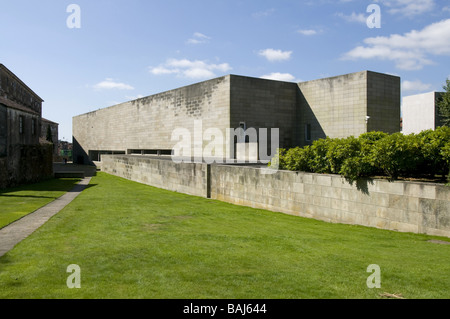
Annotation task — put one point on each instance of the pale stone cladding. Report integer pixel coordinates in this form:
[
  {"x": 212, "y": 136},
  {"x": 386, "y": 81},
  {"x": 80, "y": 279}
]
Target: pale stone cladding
[
  {"x": 340, "y": 106},
  {"x": 264, "y": 104},
  {"x": 420, "y": 112},
  {"x": 348, "y": 105},
  {"x": 147, "y": 124}
]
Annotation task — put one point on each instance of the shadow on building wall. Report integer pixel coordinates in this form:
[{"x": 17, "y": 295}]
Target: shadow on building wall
[
  {"x": 80, "y": 157},
  {"x": 307, "y": 128}
]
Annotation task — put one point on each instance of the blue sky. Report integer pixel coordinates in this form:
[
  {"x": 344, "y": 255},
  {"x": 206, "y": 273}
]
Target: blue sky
[{"x": 129, "y": 49}]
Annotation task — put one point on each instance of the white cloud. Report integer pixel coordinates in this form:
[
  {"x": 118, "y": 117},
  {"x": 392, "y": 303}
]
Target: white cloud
[
  {"x": 410, "y": 51},
  {"x": 198, "y": 38},
  {"x": 191, "y": 69},
  {"x": 415, "y": 86},
  {"x": 279, "y": 77},
  {"x": 354, "y": 17},
  {"x": 132, "y": 98},
  {"x": 307, "y": 32},
  {"x": 408, "y": 8},
  {"x": 110, "y": 84},
  {"x": 275, "y": 55},
  {"x": 263, "y": 14}
]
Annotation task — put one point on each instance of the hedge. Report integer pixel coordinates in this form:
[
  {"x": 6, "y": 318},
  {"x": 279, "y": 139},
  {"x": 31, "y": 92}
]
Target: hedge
[{"x": 426, "y": 154}]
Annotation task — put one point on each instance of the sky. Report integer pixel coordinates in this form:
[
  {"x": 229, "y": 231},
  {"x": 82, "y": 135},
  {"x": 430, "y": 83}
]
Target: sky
[{"x": 80, "y": 56}]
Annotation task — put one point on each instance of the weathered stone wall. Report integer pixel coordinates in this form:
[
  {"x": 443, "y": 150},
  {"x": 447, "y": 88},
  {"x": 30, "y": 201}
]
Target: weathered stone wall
[
  {"x": 383, "y": 102},
  {"x": 148, "y": 123},
  {"x": 3, "y": 131},
  {"x": 401, "y": 206},
  {"x": 266, "y": 104},
  {"x": 184, "y": 178},
  {"x": 338, "y": 107},
  {"x": 334, "y": 107},
  {"x": 14, "y": 90},
  {"x": 26, "y": 164}
]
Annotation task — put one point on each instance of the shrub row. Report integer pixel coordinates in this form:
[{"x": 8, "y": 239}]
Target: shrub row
[{"x": 373, "y": 154}]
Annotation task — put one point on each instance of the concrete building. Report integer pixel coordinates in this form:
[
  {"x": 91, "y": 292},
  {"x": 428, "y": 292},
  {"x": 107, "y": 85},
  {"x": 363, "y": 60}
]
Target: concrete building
[
  {"x": 339, "y": 106},
  {"x": 420, "y": 112},
  {"x": 22, "y": 157}
]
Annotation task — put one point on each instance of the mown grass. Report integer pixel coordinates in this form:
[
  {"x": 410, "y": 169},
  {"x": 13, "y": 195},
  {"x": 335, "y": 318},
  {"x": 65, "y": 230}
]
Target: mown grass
[
  {"x": 135, "y": 241},
  {"x": 23, "y": 200}
]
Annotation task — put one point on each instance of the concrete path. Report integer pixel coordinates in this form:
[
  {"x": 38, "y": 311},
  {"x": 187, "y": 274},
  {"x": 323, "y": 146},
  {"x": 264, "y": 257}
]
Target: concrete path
[{"x": 14, "y": 233}]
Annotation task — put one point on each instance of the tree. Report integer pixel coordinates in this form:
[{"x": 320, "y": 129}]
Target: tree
[{"x": 444, "y": 104}]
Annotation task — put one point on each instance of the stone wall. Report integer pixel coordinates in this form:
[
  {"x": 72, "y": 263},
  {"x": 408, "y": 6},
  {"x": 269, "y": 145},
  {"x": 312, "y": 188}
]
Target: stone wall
[
  {"x": 267, "y": 104},
  {"x": 338, "y": 107},
  {"x": 401, "y": 206},
  {"x": 26, "y": 164},
  {"x": 184, "y": 178},
  {"x": 383, "y": 102},
  {"x": 148, "y": 123},
  {"x": 334, "y": 107},
  {"x": 303, "y": 112}
]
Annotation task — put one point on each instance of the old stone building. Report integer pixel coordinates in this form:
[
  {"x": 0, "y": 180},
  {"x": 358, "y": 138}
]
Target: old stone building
[
  {"x": 22, "y": 157},
  {"x": 51, "y": 127},
  {"x": 339, "y": 106}
]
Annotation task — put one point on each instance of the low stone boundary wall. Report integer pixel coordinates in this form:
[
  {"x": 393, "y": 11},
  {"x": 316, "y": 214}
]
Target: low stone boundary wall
[
  {"x": 401, "y": 206},
  {"x": 179, "y": 177}
]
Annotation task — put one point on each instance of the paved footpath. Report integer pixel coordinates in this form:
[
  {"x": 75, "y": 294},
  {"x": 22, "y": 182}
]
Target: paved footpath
[{"x": 14, "y": 233}]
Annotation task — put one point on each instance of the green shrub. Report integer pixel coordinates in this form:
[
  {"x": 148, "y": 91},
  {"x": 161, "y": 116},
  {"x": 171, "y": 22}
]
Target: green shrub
[
  {"x": 373, "y": 154},
  {"x": 445, "y": 152},
  {"x": 278, "y": 160},
  {"x": 372, "y": 137},
  {"x": 297, "y": 159},
  {"x": 340, "y": 150},
  {"x": 396, "y": 155},
  {"x": 318, "y": 161},
  {"x": 432, "y": 144}
]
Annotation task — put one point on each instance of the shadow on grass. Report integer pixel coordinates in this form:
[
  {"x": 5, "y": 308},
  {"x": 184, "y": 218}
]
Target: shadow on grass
[
  {"x": 25, "y": 196},
  {"x": 50, "y": 185},
  {"x": 78, "y": 188},
  {"x": 75, "y": 188}
]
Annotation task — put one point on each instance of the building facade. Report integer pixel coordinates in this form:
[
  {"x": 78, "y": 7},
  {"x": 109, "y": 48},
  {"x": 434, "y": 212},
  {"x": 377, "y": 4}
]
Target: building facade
[
  {"x": 22, "y": 157},
  {"x": 51, "y": 127},
  {"x": 340, "y": 106},
  {"x": 420, "y": 112}
]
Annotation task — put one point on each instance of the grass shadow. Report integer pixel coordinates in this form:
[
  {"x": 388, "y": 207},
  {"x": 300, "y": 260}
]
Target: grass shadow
[
  {"x": 50, "y": 185},
  {"x": 25, "y": 196},
  {"x": 78, "y": 188}
]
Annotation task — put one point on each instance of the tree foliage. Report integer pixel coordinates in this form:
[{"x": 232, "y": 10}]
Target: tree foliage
[{"x": 443, "y": 104}]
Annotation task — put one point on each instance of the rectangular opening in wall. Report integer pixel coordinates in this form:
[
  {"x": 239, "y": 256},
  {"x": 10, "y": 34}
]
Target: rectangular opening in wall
[
  {"x": 96, "y": 156},
  {"x": 308, "y": 132},
  {"x": 150, "y": 152},
  {"x": 33, "y": 126},
  {"x": 21, "y": 123}
]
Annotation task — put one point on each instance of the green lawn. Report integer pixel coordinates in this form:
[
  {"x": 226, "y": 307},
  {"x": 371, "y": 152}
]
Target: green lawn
[
  {"x": 23, "y": 200},
  {"x": 135, "y": 241}
]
